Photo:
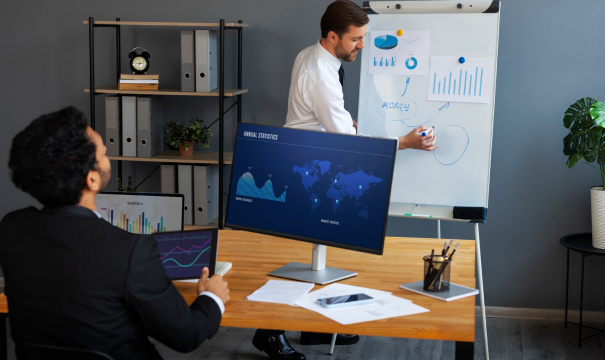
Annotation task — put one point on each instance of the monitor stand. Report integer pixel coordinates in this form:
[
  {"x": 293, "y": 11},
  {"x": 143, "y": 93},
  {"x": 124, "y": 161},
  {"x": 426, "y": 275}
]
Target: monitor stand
[{"x": 316, "y": 273}]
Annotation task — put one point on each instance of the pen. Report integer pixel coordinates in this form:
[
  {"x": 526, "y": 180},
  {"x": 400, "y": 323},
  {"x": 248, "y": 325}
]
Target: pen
[
  {"x": 448, "y": 245},
  {"x": 426, "y": 132},
  {"x": 443, "y": 251},
  {"x": 452, "y": 254},
  {"x": 418, "y": 215}
]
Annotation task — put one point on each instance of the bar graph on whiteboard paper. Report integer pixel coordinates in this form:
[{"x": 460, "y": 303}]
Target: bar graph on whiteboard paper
[{"x": 451, "y": 80}]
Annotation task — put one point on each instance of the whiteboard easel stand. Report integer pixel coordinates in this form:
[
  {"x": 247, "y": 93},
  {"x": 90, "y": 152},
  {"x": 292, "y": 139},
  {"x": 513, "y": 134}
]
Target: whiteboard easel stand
[{"x": 479, "y": 269}]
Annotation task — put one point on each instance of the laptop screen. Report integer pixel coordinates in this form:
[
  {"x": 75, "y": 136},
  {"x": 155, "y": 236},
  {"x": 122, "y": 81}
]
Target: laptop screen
[
  {"x": 142, "y": 213},
  {"x": 185, "y": 253}
]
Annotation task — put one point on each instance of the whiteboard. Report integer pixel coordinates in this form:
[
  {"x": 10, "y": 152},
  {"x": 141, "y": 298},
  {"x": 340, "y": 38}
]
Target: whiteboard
[{"x": 456, "y": 174}]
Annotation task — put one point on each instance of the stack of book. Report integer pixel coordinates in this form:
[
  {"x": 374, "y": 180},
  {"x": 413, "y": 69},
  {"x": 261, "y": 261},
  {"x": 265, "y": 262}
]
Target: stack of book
[{"x": 139, "y": 82}]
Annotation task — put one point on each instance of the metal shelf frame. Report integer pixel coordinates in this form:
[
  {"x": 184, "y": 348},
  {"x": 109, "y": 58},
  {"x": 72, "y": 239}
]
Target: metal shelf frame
[{"x": 221, "y": 90}]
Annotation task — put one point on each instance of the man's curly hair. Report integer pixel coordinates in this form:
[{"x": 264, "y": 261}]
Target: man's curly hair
[{"x": 51, "y": 157}]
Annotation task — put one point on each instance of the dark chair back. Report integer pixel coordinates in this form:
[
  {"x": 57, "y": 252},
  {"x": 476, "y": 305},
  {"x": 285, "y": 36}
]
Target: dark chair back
[{"x": 31, "y": 351}]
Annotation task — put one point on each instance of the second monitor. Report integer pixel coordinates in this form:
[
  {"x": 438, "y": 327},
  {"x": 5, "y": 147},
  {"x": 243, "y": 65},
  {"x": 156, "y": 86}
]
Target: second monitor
[{"x": 324, "y": 188}]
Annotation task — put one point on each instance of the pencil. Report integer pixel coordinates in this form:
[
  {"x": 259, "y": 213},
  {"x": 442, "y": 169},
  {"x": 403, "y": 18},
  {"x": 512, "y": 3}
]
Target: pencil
[
  {"x": 443, "y": 251},
  {"x": 448, "y": 246}
]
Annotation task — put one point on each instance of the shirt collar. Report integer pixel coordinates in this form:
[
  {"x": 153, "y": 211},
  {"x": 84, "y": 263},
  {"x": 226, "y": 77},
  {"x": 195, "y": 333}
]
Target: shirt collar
[{"x": 332, "y": 60}]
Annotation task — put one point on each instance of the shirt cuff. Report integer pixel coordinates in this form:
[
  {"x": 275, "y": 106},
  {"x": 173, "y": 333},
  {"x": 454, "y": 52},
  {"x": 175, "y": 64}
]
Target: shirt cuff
[
  {"x": 217, "y": 299},
  {"x": 396, "y": 138}
]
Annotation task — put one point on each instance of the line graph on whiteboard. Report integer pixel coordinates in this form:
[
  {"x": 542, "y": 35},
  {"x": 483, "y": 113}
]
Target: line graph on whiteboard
[{"x": 453, "y": 140}]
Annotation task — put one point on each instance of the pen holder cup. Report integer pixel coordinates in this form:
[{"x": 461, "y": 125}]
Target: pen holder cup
[{"x": 436, "y": 274}]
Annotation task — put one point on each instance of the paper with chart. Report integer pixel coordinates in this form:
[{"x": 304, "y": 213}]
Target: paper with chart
[
  {"x": 461, "y": 79},
  {"x": 391, "y": 54},
  {"x": 384, "y": 306}
]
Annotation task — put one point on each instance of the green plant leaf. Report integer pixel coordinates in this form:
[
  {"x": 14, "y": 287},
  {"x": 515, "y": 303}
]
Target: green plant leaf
[
  {"x": 597, "y": 112},
  {"x": 578, "y": 116},
  {"x": 591, "y": 155}
]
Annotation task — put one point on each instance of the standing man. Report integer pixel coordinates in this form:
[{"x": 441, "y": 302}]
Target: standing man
[{"x": 317, "y": 102}]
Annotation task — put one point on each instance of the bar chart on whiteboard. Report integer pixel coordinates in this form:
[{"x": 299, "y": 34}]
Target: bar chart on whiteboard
[{"x": 460, "y": 79}]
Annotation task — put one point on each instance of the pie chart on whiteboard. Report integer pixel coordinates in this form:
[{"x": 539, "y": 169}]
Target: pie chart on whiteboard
[{"x": 385, "y": 42}]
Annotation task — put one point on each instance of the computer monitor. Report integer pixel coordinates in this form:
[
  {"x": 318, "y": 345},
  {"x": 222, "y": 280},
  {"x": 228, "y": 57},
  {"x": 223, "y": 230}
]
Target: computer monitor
[
  {"x": 142, "y": 213},
  {"x": 185, "y": 253},
  {"x": 324, "y": 188}
]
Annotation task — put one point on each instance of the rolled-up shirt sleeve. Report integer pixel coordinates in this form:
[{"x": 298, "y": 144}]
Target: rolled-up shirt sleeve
[{"x": 326, "y": 101}]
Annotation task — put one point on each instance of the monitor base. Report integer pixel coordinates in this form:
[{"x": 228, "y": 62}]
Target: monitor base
[{"x": 304, "y": 272}]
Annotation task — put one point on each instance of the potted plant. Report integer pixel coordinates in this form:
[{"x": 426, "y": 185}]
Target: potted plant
[
  {"x": 585, "y": 120},
  {"x": 186, "y": 136}
]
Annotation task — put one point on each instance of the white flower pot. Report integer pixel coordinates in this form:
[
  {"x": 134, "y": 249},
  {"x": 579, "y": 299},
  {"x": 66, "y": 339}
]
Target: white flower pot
[{"x": 597, "y": 210}]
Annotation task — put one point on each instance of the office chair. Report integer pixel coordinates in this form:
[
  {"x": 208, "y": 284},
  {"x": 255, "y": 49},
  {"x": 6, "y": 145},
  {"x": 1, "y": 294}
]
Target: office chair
[{"x": 31, "y": 351}]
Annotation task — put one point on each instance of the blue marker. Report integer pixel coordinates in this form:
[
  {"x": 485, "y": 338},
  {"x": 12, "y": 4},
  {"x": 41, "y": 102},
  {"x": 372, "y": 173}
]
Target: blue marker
[{"x": 426, "y": 132}]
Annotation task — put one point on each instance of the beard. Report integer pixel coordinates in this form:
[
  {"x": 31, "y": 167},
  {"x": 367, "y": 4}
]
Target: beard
[
  {"x": 343, "y": 54},
  {"x": 105, "y": 178}
]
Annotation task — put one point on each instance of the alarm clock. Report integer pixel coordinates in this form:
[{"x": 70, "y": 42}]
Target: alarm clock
[{"x": 139, "y": 62}]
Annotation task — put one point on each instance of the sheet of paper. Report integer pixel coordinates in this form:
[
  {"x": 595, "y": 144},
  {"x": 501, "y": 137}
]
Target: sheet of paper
[
  {"x": 382, "y": 308},
  {"x": 281, "y": 292},
  {"x": 391, "y": 54},
  {"x": 452, "y": 80}
]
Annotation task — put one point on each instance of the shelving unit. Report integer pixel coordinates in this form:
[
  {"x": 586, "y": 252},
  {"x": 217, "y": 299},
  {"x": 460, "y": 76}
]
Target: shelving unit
[{"x": 171, "y": 156}]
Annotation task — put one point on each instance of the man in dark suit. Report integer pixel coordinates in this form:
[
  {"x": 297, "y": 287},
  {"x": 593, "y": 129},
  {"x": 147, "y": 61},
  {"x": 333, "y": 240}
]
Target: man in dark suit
[{"x": 71, "y": 278}]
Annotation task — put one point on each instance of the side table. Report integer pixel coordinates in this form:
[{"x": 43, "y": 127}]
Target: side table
[{"x": 581, "y": 243}]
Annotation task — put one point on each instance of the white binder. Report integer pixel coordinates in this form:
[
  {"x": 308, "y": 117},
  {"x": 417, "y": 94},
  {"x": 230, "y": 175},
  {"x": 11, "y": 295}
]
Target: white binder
[
  {"x": 187, "y": 61},
  {"x": 129, "y": 125},
  {"x": 149, "y": 126},
  {"x": 205, "y": 194},
  {"x": 185, "y": 181},
  {"x": 205, "y": 60},
  {"x": 112, "y": 123},
  {"x": 168, "y": 179}
]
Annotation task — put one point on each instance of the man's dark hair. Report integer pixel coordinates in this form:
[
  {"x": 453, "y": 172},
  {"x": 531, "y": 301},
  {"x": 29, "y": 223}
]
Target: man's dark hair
[
  {"x": 340, "y": 15},
  {"x": 52, "y": 156}
]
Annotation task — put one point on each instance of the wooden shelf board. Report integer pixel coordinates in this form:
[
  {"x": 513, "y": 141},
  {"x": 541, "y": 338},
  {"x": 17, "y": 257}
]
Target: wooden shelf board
[
  {"x": 151, "y": 23},
  {"x": 165, "y": 91},
  {"x": 172, "y": 156}
]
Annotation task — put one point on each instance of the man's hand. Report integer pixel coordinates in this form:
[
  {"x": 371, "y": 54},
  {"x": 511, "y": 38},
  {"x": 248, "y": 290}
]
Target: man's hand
[
  {"x": 415, "y": 140},
  {"x": 355, "y": 124},
  {"x": 215, "y": 285}
]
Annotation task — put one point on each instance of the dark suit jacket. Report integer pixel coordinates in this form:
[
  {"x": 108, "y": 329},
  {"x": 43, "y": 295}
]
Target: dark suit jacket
[{"x": 75, "y": 280}]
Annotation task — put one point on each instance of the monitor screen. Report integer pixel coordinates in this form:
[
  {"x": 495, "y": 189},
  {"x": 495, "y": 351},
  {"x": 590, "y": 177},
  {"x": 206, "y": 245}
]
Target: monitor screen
[
  {"x": 185, "y": 253},
  {"x": 142, "y": 213},
  {"x": 325, "y": 188}
]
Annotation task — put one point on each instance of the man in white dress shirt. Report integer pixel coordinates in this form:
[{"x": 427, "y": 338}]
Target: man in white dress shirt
[{"x": 317, "y": 102}]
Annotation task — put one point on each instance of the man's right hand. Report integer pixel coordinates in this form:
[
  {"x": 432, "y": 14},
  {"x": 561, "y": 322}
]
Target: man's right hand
[
  {"x": 415, "y": 140},
  {"x": 215, "y": 285}
]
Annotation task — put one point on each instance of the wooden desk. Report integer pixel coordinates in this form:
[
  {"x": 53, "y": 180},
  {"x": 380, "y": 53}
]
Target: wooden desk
[{"x": 255, "y": 255}]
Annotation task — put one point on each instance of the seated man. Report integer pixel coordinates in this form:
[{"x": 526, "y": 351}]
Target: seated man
[{"x": 73, "y": 279}]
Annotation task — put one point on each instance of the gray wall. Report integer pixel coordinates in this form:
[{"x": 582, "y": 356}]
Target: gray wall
[{"x": 550, "y": 55}]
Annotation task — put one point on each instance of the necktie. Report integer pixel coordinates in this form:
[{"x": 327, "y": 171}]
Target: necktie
[{"x": 343, "y": 81}]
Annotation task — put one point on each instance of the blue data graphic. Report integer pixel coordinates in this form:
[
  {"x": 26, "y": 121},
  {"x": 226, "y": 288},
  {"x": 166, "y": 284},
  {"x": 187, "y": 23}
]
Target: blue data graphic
[
  {"x": 337, "y": 185},
  {"x": 184, "y": 254},
  {"x": 465, "y": 83},
  {"x": 386, "y": 62},
  {"x": 247, "y": 187},
  {"x": 385, "y": 42},
  {"x": 411, "y": 63}
]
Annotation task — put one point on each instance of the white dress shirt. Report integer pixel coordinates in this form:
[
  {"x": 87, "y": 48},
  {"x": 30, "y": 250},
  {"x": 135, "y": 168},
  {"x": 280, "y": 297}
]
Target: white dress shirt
[
  {"x": 316, "y": 100},
  {"x": 214, "y": 297}
]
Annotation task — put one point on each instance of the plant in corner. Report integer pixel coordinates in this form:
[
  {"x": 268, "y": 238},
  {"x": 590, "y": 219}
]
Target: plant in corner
[
  {"x": 585, "y": 120},
  {"x": 127, "y": 189},
  {"x": 185, "y": 136}
]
